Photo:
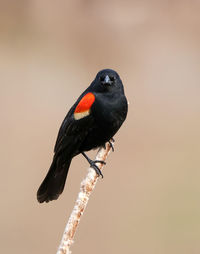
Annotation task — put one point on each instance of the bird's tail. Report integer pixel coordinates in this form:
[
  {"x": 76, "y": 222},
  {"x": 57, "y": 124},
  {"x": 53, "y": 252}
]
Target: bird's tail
[{"x": 54, "y": 182}]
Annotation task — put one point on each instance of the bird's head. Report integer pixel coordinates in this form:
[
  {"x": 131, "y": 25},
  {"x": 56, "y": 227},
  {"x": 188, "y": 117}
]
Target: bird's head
[{"x": 107, "y": 80}]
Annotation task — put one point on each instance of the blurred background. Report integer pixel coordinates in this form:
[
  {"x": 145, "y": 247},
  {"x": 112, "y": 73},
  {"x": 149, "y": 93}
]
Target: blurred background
[{"x": 50, "y": 51}]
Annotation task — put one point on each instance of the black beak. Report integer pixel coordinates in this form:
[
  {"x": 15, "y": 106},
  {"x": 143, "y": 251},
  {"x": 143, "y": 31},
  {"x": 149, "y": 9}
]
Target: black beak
[{"x": 107, "y": 81}]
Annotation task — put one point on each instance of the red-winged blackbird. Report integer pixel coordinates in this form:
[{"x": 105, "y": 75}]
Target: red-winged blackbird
[{"x": 91, "y": 122}]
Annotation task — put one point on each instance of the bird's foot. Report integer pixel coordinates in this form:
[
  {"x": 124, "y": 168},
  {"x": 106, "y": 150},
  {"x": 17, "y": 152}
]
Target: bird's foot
[
  {"x": 93, "y": 164},
  {"x": 111, "y": 145},
  {"x": 96, "y": 168},
  {"x": 98, "y": 161}
]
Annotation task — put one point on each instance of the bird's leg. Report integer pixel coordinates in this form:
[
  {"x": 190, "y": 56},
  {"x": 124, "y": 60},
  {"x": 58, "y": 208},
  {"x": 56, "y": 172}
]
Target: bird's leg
[{"x": 93, "y": 164}]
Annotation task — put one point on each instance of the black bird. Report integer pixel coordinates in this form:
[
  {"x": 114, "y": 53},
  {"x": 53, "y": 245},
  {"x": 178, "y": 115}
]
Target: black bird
[{"x": 91, "y": 122}]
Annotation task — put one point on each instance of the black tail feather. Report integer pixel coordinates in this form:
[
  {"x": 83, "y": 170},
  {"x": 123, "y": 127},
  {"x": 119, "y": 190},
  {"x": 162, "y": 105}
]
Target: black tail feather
[{"x": 54, "y": 182}]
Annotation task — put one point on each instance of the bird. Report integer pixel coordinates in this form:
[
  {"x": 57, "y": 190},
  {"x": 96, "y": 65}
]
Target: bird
[{"x": 92, "y": 121}]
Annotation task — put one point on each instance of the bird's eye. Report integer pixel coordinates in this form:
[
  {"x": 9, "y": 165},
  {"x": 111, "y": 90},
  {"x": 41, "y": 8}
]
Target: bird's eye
[
  {"x": 101, "y": 78},
  {"x": 112, "y": 78}
]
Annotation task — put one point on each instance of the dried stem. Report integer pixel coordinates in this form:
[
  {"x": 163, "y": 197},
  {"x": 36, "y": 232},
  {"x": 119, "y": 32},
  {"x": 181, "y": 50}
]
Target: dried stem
[{"x": 87, "y": 186}]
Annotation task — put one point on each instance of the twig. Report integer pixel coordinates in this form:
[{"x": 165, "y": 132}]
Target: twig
[{"x": 87, "y": 186}]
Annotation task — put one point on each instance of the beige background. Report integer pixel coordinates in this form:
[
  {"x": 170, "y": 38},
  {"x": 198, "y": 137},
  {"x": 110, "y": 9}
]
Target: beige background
[{"x": 149, "y": 199}]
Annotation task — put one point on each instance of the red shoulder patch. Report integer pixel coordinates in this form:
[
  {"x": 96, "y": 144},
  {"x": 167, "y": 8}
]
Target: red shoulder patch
[{"x": 85, "y": 103}]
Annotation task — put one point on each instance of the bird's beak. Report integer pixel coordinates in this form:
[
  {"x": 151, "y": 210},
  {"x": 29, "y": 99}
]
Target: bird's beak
[{"x": 107, "y": 80}]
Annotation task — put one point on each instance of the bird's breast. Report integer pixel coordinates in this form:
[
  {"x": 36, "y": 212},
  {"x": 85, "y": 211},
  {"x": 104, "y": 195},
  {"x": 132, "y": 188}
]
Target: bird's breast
[{"x": 110, "y": 111}]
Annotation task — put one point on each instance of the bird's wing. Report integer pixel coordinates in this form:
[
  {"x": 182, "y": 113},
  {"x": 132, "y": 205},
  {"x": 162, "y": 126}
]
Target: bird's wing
[{"x": 76, "y": 124}]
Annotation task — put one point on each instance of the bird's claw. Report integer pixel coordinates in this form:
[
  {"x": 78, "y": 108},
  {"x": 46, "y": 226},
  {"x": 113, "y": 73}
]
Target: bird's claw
[
  {"x": 93, "y": 164},
  {"x": 96, "y": 168},
  {"x": 111, "y": 145},
  {"x": 98, "y": 161}
]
